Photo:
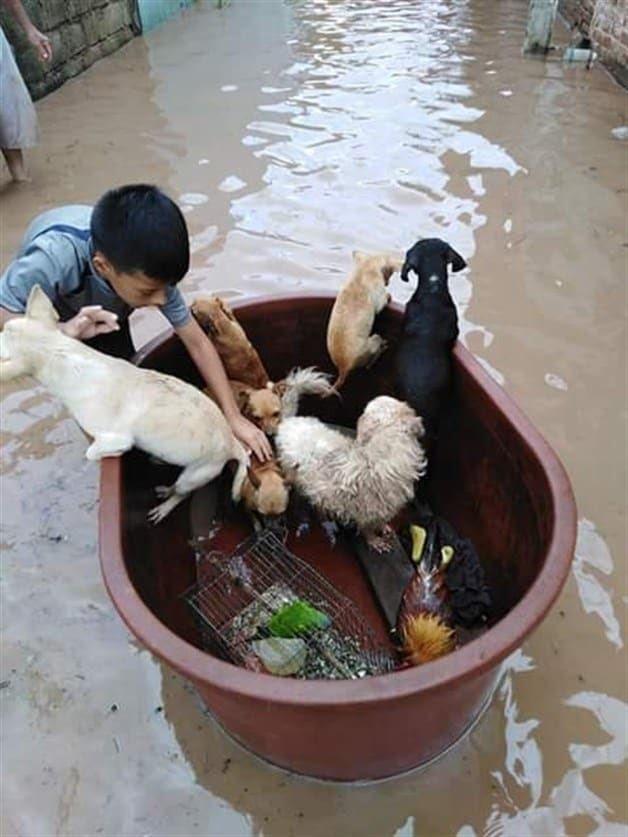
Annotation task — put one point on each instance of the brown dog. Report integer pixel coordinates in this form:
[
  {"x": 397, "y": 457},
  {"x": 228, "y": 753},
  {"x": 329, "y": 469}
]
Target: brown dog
[
  {"x": 265, "y": 490},
  {"x": 239, "y": 356},
  {"x": 267, "y": 406},
  {"x": 262, "y": 406},
  {"x": 349, "y": 340}
]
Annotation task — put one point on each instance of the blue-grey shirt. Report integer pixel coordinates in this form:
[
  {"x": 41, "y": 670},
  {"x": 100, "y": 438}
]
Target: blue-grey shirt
[{"x": 56, "y": 254}]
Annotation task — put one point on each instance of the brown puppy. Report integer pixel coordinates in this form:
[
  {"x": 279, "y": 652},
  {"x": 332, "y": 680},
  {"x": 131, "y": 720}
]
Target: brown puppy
[
  {"x": 262, "y": 406},
  {"x": 276, "y": 401},
  {"x": 264, "y": 489},
  {"x": 239, "y": 357},
  {"x": 349, "y": 340}
]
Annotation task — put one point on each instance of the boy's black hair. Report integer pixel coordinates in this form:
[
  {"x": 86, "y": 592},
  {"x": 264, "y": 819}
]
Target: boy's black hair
[{"x": 138, "y": 227}]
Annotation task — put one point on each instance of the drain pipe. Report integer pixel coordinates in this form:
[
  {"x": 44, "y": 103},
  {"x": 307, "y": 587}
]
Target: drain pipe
[{"x": 541, "y": 16}]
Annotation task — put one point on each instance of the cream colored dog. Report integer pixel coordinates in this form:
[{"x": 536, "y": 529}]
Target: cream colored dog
[
  {"x": 122, "y": 406},
  {"x": 349, "y": 340},
  {"x": 364, "y": 481}
]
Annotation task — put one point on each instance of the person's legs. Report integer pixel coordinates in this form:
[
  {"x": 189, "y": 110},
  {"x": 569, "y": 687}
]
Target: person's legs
[
  {"x": 15, "y": 161},
  {"x": 18, "y": 119}
]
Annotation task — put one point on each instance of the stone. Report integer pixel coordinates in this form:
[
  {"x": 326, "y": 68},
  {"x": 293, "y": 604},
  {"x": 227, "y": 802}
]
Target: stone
[{"x": 281, "y": 656}]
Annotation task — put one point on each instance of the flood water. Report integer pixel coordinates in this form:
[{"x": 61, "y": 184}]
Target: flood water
[{"x": 293, "y": 133}]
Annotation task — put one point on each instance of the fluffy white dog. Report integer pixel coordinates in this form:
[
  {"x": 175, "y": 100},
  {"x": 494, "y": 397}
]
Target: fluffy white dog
[
  {"x": 364, "y": 481},
  {"x": 121, "y": 405}
]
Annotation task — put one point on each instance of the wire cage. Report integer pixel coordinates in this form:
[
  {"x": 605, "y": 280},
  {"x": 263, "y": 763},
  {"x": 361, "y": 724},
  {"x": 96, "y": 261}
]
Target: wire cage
[{"x": 236, "y": 596}]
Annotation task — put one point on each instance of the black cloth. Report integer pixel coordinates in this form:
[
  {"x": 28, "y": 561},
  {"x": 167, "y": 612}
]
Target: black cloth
[{"x": 116, "y": 343}]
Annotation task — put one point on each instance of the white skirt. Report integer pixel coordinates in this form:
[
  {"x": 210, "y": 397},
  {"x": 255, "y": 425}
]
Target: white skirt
[{"x": 18, "y": 120}]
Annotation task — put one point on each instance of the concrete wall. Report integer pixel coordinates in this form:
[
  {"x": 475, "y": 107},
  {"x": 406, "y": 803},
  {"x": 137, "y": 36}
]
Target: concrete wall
[
  {"x": 155, "y": 12},
  {"x": 81, "y": 31},
  {"x": 606, "y": 23}
]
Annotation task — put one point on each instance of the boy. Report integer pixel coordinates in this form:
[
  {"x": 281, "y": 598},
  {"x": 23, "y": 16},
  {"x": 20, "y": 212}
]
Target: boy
[{"x": 97, "y": 265}]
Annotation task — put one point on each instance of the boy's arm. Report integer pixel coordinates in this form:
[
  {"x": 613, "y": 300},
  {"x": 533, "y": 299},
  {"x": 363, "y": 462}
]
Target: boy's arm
[
  {"x": 47, "y": 267},
  {"x": 207, "y": 360}
]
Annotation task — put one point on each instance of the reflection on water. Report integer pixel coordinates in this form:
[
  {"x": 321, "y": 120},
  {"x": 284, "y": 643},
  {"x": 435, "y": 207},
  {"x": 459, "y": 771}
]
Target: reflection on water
[
  {"x": 592, "y": 553},
  {"x": 293, "y": 133},
  {"x": 523, "y": 765}
]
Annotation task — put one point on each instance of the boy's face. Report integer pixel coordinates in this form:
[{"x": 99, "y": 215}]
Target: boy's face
[{"x": 136, "y": 289}]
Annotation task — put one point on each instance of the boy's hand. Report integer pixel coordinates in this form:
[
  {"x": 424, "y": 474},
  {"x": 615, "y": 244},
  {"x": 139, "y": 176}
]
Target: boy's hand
[
  {"x": 90, "y": 321},
  {"x": 252, "y": 437}
]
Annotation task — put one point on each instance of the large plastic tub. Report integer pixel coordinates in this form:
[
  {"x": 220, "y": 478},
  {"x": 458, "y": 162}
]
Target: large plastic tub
[{"x": 494, "y": 478}]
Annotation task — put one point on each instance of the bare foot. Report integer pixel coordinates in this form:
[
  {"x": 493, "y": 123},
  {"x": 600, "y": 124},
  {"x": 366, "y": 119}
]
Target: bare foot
[{"x": 15, "y": 161}]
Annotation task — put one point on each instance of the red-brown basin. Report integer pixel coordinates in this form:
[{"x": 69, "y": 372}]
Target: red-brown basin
[{"x": 494, "y": 478}]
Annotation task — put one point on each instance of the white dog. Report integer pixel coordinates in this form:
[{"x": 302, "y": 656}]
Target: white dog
[
  {"x": 122, "y": 406},
  {"x": 364, "y": 481}
]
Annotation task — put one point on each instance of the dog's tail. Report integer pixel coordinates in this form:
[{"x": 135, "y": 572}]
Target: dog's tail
[
  {"x": 300, "y": 382},
  {"x": 240, "y": 475}
]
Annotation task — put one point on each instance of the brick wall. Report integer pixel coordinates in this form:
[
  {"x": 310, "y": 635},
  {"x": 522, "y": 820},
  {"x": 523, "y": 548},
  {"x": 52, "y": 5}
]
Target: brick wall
[
  {"x": 81, "y": 31},
  {"x": 606, "y": 23},
  {"x": 578, "y": 13},
  {"x": 609, "y": 31}
]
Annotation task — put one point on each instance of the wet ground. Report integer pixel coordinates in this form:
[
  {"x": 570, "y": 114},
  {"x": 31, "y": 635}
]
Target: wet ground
[{"x": 293, "y": 133}]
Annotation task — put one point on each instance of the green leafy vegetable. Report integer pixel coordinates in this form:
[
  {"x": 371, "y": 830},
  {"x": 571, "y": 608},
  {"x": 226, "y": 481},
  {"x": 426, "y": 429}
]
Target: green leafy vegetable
[{"x": 297, "y": 618}]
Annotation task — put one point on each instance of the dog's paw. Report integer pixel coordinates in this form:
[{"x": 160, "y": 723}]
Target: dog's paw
[
  {"x": 331, "y": 530},
  {"x": 157, "y": 513},
  {"x": 303, "y": 529}
]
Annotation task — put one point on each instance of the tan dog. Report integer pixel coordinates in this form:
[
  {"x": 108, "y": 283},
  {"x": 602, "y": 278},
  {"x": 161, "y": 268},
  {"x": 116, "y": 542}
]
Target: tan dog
[
  {"x": 239, "y": 356},
  {"x": 349, "y": 340},
  {"x": 264, "y": 489}
]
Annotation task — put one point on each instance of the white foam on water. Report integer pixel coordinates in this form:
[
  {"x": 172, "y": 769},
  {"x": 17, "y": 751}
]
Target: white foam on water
[
  {"x": 193, "y": 199},
  {"x": 231, "y": 184},
  {"x": 555, "y": 381}
]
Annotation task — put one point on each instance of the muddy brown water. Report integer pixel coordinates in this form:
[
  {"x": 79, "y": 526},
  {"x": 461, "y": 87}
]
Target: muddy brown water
[{"x": 293, "y": 133}]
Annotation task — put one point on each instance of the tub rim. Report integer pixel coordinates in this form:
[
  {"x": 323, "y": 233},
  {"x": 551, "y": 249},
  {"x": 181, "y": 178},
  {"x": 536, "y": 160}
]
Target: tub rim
[{"x": 473, "y": 659}]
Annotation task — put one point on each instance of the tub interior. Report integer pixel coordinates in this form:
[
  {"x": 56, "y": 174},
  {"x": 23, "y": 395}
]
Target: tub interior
[{"x": 485, "y": 479}]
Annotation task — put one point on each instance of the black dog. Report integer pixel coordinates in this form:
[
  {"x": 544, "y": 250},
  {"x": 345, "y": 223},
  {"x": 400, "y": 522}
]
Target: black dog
[{"x": 430, "y": 329}]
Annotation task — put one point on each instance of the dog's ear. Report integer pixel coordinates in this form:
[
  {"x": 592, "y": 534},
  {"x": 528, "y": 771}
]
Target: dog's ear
[
  {"x": 202, "y": 318},
  {"x": 405, "y": 270},
  {"x": 242, "y": 395},
  {"x": 279, "y": 388},
  {"x": 40, "y": 308},
  {"x": 254, "y": 479},
  {"x": 411, "y": 421},
  {"x": 225, "y": 309},
  {"x": 391, "y": 265},
  {"x": 455, "y": 260},
  {"x": 359, "y": 256}
]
